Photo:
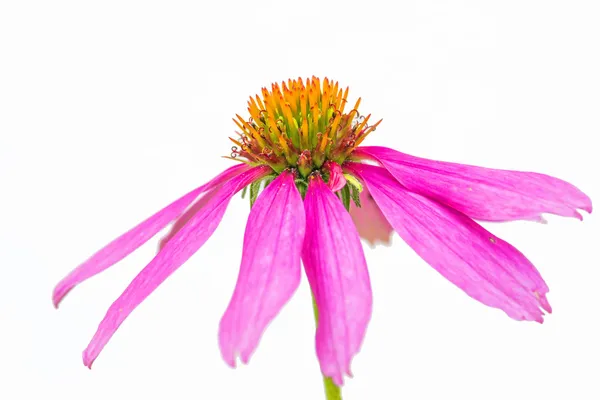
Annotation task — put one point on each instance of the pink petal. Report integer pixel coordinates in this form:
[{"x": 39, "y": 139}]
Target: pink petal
[
  {"x": 178, "y": 250},
  {"x": 369, "y": 221},
  {"x": 336, "y": 176},
  {"x": 270, "y": 270},
  {"x": 137, "y": 236},
  {"x": 187, "y": 215},
  {"x": 483, "y": 265},
  {"x": 337, "y": 272},
  {"x": 482, "y": 193}
]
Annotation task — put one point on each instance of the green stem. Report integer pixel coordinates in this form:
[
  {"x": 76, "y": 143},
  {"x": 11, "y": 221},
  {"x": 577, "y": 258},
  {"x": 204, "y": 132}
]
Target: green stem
[{"x": 332, "y": 391}]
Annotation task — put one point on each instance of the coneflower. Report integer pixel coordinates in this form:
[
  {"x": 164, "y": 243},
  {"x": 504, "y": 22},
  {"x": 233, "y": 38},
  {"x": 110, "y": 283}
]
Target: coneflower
[{"x": 304, "y": 169}]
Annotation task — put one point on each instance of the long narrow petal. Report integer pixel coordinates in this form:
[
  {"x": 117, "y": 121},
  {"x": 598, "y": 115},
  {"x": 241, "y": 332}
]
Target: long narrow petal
[
  {"x": 270, "y": 270},
  {"x": 482, "y": 193},
  {"x": 187, "y": 215},
  {"x": 483, "y": 265},
  {"x": 337, "y": 272},
  {"x": 178, "y": 250},
  {"x": 135, "y": 237},
  {"x": 369, "y": 221}
]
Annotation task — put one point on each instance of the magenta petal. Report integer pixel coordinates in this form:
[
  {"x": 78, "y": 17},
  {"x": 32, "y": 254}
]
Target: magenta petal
[
  {"x": 270, "y": 270},
  {"x": 337, "y": 272},
  {"x": 202, "y": 201},
  {"x": 336, "y": 176},
  {"x": 186, "y": 216},
  {"x": 483, "y": 265},
  {"x": 482, "y": 193},
  {"x": 137, "y": 236},
  {"x": 369, "y": 221},
  {"x": 181, "y": 247}
]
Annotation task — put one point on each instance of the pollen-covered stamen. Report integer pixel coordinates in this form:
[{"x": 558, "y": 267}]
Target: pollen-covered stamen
[{"x": 300, "y": 124}]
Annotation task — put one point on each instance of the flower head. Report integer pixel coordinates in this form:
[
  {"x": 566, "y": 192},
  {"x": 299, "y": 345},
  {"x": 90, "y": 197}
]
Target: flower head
[
  {"x": 300, "y": 125},
  {"x": 314, "y": 192}
]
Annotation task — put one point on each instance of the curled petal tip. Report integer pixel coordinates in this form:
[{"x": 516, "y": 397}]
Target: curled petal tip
[
  {"x": 55, "y": 301},
  {"x": 87, "y": 361},
  {"x": 545, "y": 304},
  {"x": 245, "y": 359},
  {"x": 231, "y": 362},
  {"x": 538, "y": 317},
  {"x": 58, "y": 294},
  {"x": 349, "y": 372},
  {"x": 586, "y": 204},
  {"x": 230, "y": 358}
]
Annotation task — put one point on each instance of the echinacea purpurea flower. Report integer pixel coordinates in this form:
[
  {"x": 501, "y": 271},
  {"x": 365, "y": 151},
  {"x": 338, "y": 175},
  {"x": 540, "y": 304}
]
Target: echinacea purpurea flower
[{"x": 304, "y": 167}]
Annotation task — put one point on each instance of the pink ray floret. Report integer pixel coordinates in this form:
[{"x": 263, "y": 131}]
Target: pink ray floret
[
  {"x": 337, "y": 272},
  {"x": 270, "y": 270},
  {"x": 482, "y": 193}
]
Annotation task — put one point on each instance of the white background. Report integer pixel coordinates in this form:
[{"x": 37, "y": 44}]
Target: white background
[{"x": 110, "y": 110}]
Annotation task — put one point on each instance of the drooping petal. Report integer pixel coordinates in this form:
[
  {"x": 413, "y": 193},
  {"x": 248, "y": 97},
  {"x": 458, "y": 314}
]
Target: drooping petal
[
  {"x": 482, "y": 193},
  {"x": 336, "y": 176},
  {"x": 484, "y": 266},
  {"x": 337, "y": 272},
  {"x": 186, "y": 216},
  {"x": 270, "y": 269},
  {"x": 369, "y": 221},
  {"x": 177, "y": 250},
  {"x": 137, "y": 236}
]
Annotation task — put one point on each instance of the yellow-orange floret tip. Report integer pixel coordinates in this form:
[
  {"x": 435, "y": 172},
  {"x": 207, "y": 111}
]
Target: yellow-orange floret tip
[{"x": 300, "y": 124}]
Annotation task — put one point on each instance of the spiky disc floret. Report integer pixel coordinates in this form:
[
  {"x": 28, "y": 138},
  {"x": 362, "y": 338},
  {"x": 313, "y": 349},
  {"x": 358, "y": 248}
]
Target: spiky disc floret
[{"x": 300, "y": 125}]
